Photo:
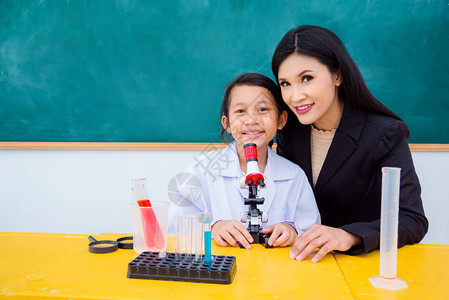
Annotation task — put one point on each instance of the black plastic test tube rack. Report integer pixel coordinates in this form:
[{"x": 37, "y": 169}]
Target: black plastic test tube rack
[{"x": 148, "y": 265}]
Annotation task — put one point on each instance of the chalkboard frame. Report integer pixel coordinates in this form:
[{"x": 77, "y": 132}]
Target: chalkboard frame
[{"x": 160, "y": 146}]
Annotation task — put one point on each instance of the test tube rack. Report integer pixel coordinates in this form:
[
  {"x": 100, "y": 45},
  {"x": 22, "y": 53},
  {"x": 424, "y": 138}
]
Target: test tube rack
[{"x": 183, "y": 267}]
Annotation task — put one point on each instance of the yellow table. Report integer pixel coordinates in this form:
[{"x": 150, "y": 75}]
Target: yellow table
[
  {"x": 23, "y": 253},
  {"x": 75, "y": 273},
  {"x": 425, "y": 269},
  {"x": 37, "y": 266}
]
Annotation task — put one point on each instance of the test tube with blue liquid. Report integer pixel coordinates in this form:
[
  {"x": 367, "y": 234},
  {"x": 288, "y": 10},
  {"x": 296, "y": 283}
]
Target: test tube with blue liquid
[{"x": 207, "y": 239}]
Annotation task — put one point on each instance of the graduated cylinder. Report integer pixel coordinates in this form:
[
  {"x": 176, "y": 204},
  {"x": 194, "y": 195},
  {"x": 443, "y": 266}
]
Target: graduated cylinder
[{"x": 391, "y": 180}]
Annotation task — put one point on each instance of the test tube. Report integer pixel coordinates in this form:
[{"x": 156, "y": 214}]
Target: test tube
[
  {"x": 207, "y": 239},
  {"x": 199, "y": 236},
  {"x": 177, "y": 237},
  {"x": 193, "y": 230},
  {"x": 391, "y": 179},
  {"x": 182, "y": 230},
  {"x": 188, "y": 237}
]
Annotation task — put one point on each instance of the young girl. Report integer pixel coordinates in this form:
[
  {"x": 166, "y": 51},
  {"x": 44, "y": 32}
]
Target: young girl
[{"x": 252, "y": 112}]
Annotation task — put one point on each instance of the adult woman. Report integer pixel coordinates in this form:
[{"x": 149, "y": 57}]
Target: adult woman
[{"x": 342, "y": 136}]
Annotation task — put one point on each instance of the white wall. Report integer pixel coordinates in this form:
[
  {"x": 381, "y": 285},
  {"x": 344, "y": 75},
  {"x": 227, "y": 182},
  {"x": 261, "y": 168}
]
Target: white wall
[{"x": 89, "y": 191}]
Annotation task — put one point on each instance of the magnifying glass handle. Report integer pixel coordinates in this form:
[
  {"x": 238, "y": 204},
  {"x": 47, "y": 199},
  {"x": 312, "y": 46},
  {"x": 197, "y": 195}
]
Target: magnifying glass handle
[{"x": 92, "y": 239}]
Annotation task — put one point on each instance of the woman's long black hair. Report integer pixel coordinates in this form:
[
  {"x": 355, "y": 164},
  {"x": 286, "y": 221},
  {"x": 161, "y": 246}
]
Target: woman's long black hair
[{"x": 324, "y": 45}]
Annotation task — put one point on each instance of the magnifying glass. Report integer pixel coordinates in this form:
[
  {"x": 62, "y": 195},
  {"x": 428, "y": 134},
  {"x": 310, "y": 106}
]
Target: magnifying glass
[
  {"x": 125, "y": 242},
  {"x": 108, "y": 246}
]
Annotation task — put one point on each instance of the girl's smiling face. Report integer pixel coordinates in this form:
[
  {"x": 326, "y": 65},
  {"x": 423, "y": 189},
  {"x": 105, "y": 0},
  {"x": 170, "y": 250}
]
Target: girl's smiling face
[
  {"x": 253, "y": 116},
  {"x": 311, "y": 91}
]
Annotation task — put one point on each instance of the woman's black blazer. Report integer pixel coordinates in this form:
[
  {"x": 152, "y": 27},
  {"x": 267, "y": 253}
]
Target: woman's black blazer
[{"x": 348, "y": 189}]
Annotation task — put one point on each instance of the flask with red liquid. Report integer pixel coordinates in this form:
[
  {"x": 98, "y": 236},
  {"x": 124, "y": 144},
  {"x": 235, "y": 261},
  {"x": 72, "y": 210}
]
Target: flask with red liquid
[{"x": 152, "y": 232}]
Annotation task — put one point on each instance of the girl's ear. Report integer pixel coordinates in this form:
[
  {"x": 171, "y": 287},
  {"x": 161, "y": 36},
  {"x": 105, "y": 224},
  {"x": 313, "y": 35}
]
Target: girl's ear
[
  {"x": 225, "y": 124},
  {"x": 337, "y": 77},
  {"x": 282, "y": 120}
]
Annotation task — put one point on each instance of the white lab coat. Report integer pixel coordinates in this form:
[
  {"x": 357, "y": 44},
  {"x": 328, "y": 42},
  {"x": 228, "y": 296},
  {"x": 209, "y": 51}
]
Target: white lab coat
[{"x": 288, "y": 195}]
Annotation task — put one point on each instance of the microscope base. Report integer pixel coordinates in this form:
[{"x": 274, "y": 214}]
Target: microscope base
[{"x": 259, "y": 238}]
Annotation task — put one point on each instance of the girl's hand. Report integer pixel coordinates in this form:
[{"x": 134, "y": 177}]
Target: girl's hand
[
  {"x": 229, "y": 232},
  {"x": 324, "y": 237},
  {"x": 282, "y": 234}
]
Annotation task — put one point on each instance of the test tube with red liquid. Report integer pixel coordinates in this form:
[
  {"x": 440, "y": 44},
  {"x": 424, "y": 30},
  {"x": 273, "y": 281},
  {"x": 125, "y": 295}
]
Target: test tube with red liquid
[{"x": 152, "y": 232}]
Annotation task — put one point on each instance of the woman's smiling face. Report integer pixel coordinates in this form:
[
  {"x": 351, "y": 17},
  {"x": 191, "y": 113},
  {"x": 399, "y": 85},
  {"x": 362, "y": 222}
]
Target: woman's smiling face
[{"x": 311, "y": 91}]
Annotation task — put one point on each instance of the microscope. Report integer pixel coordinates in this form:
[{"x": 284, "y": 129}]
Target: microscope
[{"x": 253, "y": 180}]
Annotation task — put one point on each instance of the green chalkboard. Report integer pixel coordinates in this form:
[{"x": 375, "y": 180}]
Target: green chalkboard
[{"x": 154, "y": 71}]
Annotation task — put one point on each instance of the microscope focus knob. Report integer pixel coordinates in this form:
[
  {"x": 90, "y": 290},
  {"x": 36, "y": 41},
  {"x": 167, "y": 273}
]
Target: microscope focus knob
[
  {"x": 243, "y": 217},
  {"x": 264, "y": 217}
]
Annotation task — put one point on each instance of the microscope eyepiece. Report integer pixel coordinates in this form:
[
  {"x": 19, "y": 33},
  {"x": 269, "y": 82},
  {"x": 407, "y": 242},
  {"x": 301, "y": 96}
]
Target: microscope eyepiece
[{"x": 250, "y": 152}]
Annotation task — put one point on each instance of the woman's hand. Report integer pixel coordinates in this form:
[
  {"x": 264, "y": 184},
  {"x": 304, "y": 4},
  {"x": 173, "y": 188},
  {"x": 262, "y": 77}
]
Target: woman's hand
[
  {"x": 324, "y": 237},
  {"x": 229, "y": 232},
  {"x": 282, "y": 234}
]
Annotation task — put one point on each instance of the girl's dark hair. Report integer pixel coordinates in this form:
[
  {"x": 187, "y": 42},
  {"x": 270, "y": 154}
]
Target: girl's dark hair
[
  {"x": 251, "y": 79},
  {"x": 324, "y": 45}
]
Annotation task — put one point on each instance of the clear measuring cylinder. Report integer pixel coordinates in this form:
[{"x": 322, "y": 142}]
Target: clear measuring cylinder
[{"x": 391, "y": 181}]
